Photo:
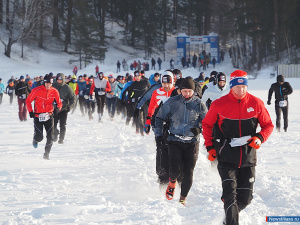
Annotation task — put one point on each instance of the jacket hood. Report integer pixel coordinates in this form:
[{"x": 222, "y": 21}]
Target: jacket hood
[
  {"x": 61, "y": 75},
  {"x": 280, "y": 78}
]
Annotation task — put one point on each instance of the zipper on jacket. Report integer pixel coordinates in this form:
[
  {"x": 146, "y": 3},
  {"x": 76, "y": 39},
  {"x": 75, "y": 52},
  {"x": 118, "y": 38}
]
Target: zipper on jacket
[
  {"x": 240, "y": 128},
  {"x": 184, "y": 119},
  {"x": 222, "y": 147}
]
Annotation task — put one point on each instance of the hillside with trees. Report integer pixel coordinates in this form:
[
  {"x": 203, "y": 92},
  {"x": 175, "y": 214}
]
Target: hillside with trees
[{"x": 254, "y": 32}]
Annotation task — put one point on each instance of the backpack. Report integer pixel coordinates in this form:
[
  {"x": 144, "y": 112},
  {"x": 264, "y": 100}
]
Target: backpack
[{"x": 198, "y": 89}]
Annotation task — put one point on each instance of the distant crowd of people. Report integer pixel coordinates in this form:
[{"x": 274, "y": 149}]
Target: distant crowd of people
[{"x": 201, "y": 62}]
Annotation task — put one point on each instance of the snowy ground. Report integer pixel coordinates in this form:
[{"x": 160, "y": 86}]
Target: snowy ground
[{"x": 105, "y": 173}]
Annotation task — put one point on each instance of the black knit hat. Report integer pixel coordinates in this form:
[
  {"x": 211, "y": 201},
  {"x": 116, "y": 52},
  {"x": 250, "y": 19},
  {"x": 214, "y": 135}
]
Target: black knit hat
[
  {"x": 221, "y": 77},
  {"x": 177, "y": 73},
  {"x": 178, "y": 83},
  {"x": 188, "y": 83},
  {"x": 213, "y": 73},
  {"x": 202, "y": 77},
  {"x": 48, "y": 78},
  {"x": 280, "y": 78},
  {"x": 137, "y": 73}
]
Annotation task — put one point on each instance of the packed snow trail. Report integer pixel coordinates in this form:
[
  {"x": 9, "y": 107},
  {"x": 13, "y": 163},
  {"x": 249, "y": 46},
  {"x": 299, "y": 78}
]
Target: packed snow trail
[{"x": 104, "y": 173}]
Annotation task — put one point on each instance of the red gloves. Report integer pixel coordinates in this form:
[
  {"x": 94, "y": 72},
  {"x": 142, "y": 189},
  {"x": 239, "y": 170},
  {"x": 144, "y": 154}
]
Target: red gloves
[
  {"x": 147, "y": 126},
  {"x": 212, "y": 155},
  {"x": 254, "y": 142},
  {"x": 148, "y": 121}
]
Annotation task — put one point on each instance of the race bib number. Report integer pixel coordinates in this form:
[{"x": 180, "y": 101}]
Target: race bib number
[
  {"x": 283, "y": 103},
  {"x": 101, "y": 92},
  {"x": 44, "y": 117},
  {"x": 10, "y": 91},
  {"x": 81, "y": 93}
]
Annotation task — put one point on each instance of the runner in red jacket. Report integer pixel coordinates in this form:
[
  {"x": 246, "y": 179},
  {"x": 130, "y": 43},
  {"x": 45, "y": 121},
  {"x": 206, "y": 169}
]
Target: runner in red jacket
[
  {"x": 43, "y": 97},
  {"x": 160, "y": 95},
  {"x": 236, "y": 116}
]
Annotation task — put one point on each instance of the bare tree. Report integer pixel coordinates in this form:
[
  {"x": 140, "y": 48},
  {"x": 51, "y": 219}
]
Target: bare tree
[
  {"x": 55, "y": 29},
  {"x": 69, "y": 23},
  {"x": 21, "y": 20},
  {"x": 7, "y": 14},
  {"x": 1, "y": 11}
]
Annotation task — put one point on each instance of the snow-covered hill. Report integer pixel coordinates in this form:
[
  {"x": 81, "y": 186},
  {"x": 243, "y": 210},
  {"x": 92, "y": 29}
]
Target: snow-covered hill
[{"x": 105, "y": 173}]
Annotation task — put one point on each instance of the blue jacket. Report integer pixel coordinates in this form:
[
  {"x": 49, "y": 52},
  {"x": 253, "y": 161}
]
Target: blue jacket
[
  {"x": 86, "y": 93},
  {"x": 152, "y": 81},
  {"x": 81, "y": 88},
  {"x": 127, "y": 85},
  {"x": 119, "y": 89},
  {"x": 2, "y": 88},
  {"x": 181, "y": 115},
  {"x": 34, "y": 85},
  {"x": 147, "y": 95}
]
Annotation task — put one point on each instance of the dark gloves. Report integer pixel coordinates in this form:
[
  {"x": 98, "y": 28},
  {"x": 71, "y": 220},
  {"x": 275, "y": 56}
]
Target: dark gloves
[
  {"x": 159, "y": 141},
  {"x": 147, "y": 125},
  {"x": 56, "y": 111},
  {"x": 147, "y": 128},
  {"x": 67, "y": 109},
  {"x": 31, "y": 114},
  {"x": 208, "y": 103},
  {"x": 269, "y": 102},
  {"x": 196, "y": 131},
  {"x": 136, "y": 113}
]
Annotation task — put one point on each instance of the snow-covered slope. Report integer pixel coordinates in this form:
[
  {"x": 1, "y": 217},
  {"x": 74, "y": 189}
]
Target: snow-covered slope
[{"x": 105, "y": 173}]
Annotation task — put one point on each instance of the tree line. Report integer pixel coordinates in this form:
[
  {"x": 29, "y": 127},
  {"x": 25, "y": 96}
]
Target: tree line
[{"x": 255, "y": 32}]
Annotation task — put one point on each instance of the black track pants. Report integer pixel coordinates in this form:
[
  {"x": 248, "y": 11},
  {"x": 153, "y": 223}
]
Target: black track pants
[
  {"x": 183, "y": 155},
  {"x": 62, "y": 118},
  {"x": 100, "y": 103},
  {"x": 237, "y": 184},
  {"x": 38, "y": 132},
  {"x": 284, "y": 111}
]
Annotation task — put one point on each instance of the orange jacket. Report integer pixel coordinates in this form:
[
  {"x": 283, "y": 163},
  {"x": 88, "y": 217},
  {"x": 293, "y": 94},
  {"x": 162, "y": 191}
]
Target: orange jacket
[{"x": 43, "y": 100}]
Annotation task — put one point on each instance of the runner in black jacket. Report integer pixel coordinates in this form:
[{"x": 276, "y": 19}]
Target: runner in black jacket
[
  {"x": 135, "y": 91},
  {"x": 282, "y": 90}
]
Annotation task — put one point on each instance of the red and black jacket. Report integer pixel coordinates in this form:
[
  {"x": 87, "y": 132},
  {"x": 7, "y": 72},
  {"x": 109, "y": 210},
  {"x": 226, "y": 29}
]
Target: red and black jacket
[
  {"x": 43, "y": 100},
  {"x": 236, "y": 118}
]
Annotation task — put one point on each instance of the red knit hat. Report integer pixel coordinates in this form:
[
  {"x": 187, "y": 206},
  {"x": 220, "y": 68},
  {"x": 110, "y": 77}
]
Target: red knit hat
[{"x": 238, "y": 77}]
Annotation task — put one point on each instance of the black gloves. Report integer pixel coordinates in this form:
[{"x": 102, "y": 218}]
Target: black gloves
[
  {"x": 269, "y": 102},
  {"x": 67, "y": 109},
  {"x": 31, "y": 114},
  {"x": 147, "y": 128},
  {"x": 136, "y": 113},
  {"x": 208, "y": 103},
  {"x": 56, "y": 111},
  {"x": 159, "y": 141},
  {"x": 196, "y": 131}
]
